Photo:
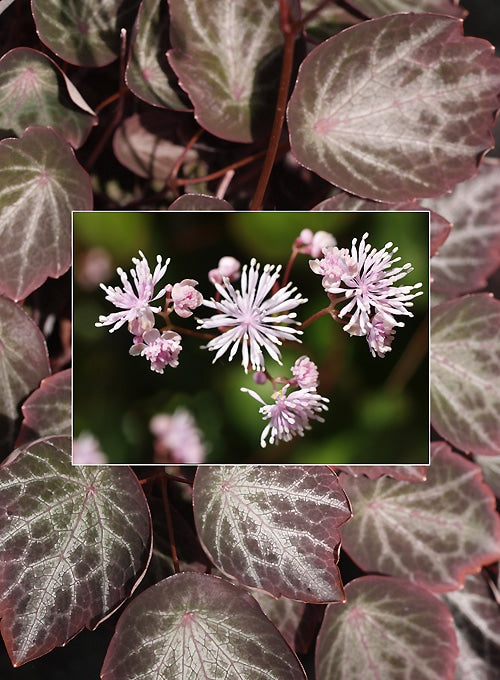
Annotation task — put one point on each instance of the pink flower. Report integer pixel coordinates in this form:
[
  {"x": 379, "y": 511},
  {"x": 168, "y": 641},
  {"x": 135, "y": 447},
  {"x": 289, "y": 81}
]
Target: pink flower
[
  {"x": 228, "y": 268},
  {"x": 305, "y": 372},
  {"x": 290, "y": 414},
  {"x": 87, "y": 450},
  {"x": 178, "y": 440},
  {"x": 312, "y": 243},
  {"x": 365, "y": 278},
  {"x": 253, "y": 318},
  {"x": 137, "y": 310},
  {"x": 380, "y": 335},
  {"x": 161, "y": 349},
  {"x": 185, "y": 297}
]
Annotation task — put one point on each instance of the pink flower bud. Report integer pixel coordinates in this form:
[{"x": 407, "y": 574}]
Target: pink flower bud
[
  {"x": 228, "y": 268},
  {"x": 185, "y": 297}
]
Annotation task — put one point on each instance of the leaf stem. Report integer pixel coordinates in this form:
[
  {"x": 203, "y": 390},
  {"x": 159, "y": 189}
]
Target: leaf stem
[
  {"x": 118, "y": 115},
  {"x": 290, "y": 30},
  {"x": 170, "y": 527}
]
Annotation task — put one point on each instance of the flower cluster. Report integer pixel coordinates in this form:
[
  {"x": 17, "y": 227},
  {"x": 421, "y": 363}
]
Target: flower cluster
[
  {"x": 255, "y": 318},
  {"x": 161, "y": 349},
  {"x": 291, "y": 411},
  {"x": 365, "y": 278}
]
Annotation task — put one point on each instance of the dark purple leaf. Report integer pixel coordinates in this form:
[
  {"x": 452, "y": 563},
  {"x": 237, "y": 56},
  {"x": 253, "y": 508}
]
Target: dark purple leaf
[
  {"x": 433, "y": 533},
  {"x": 224, "y": 54},
  {"x": 81, "y": 33},
  {"x": 383, "y": 109},
  {"x": 472, "y": 251},
  {"x": 142, "y": 146},
  {"x": 48, "y": 410},
  {"x": 465, "y": 360},
  {"x": 273, "y": 527},
  {"x": 440, "y": 228},
  {"x": 388, "y": 628},
  {"x": 197, "y": 626},
  {"x": 407, "y": 473},
  {"x": 24, "y": 362},
  {"x": 41, "y": 183},
  {"x": 477, "y": 621},
  {"x": 74, "y": 543},
  {"x": 199, "y": 202},
  {"x": 148, "y": 73},
  {"x": 34, "y": 91}
]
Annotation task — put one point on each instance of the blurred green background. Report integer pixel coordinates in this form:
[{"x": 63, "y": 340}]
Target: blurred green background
[{"x": 379, "y": 408}]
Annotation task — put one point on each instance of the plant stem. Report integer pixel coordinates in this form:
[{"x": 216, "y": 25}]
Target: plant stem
[
  {"x": 317, "y": 315},
  {"x": 289, "y": 30},
  {"x": 170, "y": 527},
  {"x": 116, "y": 119}
]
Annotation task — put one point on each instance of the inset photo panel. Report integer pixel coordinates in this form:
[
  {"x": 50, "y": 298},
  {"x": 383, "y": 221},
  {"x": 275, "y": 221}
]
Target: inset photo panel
[{"x": 251, "y": 338}]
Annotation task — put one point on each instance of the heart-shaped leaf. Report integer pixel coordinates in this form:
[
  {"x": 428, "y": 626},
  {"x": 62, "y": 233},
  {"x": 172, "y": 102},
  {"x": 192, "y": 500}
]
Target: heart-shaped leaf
[
  {"x": 378, "y": 8},
  {"x": 74, "y": 543},
  {"x": 465, "y": 360},
  {"x": 198, "y": 626},
  {"x": 48, "y": 410},
  {"x": 199, "y": 202},
  {"x": 79, "y": 32},
  {"x": 433, "y": 533},
  {"x": 477, "y": 621},
  {"x": 24, "y": 362},
  {"x": 472, "y": 251},
  {"x": 273, "y": 527},
  {"x": 34, "y": 91},
  {"x": 41, "y": 184},
  {"x": 388, "y": 628},
  {"x": 224, "y": 54},
  {"x": 148, "y": 72},
  {"x": 383, "y": 111}
]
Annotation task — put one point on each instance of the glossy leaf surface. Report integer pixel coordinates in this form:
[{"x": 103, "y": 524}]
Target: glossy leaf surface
[
  {"x": 40, "y": 184},
  {"x": 433, "y": 533},
  {"x": 148, "y": 73},
  {"x": 74, "y": 543},
  {"x": 48, "y": 410},
  {"x": 273, "y": 527},
  {"x": 382, "y": 109},
  {"x": 388, "y": 628},
  {"x": 94, "y": 31},
  {"x": 377, "y": 8},
  {"x": 34, "y": 91},
  {"x": 472, "y": 251},
  {"x": 465, "y": 361},
  {"x": 477, "y": 621},
  {"x": 220, "y": 54},
  {"x": 24, "y": 362},
  {"x": 198, "y": 627}
]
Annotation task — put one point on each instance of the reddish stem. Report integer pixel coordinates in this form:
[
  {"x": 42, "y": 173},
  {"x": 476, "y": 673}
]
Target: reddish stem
[
  {"x": 170, "y": 526},
  {"x": 290, "y": 30}
]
